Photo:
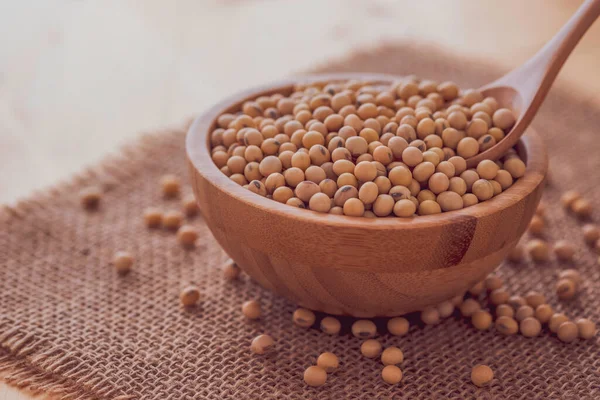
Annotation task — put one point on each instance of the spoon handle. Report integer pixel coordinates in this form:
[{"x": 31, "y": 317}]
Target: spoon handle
[{"x": 535, "y": 77}]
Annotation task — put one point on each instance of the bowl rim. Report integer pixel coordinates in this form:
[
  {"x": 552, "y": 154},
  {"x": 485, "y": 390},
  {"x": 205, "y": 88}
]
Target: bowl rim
[{"x": 198, "y": 153}]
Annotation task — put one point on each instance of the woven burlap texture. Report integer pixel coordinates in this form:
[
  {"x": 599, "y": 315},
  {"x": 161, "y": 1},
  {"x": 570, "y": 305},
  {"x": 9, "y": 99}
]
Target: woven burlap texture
[{"x": 70, "y": 326}]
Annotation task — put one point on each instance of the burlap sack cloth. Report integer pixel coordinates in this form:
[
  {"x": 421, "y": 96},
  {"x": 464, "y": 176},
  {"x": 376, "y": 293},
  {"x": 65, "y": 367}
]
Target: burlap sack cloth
[{"x": 71, "y": 326}]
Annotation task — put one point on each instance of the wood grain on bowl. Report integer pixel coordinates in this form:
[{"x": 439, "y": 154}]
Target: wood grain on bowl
[{"x": 359, "y": 266}]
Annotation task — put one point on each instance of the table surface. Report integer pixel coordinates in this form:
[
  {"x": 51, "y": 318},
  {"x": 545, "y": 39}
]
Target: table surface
[{"x": 78, "y": 79}]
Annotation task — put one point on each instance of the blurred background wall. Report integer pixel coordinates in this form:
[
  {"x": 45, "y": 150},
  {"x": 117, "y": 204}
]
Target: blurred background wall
[{"x": 78, "y": 78}]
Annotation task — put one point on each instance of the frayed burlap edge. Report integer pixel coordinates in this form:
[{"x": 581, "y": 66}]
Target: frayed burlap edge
[
  {"x": 17, "y": 372},
  {"x": 29, "y": 363}
]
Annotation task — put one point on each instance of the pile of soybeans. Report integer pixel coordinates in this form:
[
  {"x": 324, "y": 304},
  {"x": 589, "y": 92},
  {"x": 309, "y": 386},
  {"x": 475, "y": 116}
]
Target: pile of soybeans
[{"x": 367, "y": 149}]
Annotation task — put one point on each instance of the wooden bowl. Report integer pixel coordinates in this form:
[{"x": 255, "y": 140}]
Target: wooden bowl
[{"x": 359, "y": 266}]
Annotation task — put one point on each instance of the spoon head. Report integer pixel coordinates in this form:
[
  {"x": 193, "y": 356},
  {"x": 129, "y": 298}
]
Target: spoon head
[{"x": 508, "y": 97}]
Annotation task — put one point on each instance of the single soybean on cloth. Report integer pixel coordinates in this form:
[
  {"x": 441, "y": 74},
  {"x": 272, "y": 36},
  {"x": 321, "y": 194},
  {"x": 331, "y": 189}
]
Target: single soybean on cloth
[{"x": 71, "y": 327}]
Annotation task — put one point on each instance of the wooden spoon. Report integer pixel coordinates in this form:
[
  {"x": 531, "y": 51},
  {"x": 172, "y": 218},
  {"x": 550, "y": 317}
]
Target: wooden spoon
[{"x": 524, "y": 89}]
